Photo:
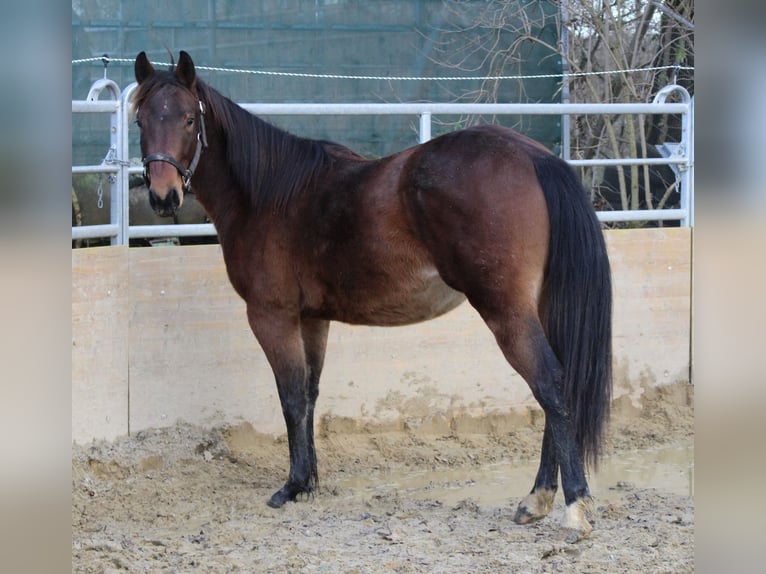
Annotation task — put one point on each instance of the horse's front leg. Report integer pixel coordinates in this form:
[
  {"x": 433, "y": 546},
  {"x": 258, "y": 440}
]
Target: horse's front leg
[
  {"x": 314, "y": 333},
  {"x": 279, "y": 334}
]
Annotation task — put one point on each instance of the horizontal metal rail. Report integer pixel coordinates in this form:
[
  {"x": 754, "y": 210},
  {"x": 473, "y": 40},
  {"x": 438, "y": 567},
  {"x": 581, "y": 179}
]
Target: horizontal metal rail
[
  {"x": 412, "y": 109},
  {"x": 96, "y": 107},
  {"x": 641, "y": 215},
  {"x": 673, "y": 160},
  {"x": 162, "y": 230},
  {"x": 100, "y": 168},
  {"x": 95, "y": 231}
]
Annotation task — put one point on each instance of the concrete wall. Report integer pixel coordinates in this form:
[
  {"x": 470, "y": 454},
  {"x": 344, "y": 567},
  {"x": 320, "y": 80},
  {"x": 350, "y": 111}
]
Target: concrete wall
[{"x": 158, "y": 335}]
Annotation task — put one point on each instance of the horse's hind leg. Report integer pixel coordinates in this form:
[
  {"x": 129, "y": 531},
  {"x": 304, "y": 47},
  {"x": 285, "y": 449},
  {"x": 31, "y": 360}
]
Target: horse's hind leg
[
  {"x": 489, "y": 237},
  {"x": 539, "y": 502},
  {"x": 521, "y": 337}
]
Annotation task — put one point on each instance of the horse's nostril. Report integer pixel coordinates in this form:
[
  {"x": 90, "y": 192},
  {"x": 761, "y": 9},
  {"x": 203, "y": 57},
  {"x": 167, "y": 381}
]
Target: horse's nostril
[
  {"x": 165, "y": 206},
  {"x": 175, "y": 198},
  {"x": 154, "y": 201}
]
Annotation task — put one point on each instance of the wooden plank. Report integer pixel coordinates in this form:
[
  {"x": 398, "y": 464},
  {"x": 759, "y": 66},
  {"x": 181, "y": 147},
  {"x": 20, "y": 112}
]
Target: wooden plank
[
  {"x": 651, "y": 271},
  {"x": 192, "y": 354},
  {"x": 194, "y": 358},
  {"x": 448, "y": 367},
  {"x": 100, "y": 283}
]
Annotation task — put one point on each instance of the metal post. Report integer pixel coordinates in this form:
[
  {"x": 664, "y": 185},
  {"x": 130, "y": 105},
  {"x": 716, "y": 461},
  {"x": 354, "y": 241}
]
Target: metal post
[
  {"x": 566, "y": 152},
  {"x": 690, "y": 162},
  {"x": 685, "y": 168},
  {"x": 127, "y": 96},
  {"x": 425, "y": 127},
  {"x": 116, "y": 180},
  {"x": 114, "y": 154},
  {"x": 685, "y": 149}
]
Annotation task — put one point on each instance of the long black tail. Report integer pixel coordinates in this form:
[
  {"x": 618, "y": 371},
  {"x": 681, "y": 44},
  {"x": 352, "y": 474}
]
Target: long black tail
[{"x": 576, "y": 307}]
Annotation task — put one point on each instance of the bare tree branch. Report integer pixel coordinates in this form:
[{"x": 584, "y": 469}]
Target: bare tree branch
[{"x": 495, "y": 36}]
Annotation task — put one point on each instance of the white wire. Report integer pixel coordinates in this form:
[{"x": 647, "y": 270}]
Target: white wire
[{"x": 393, "y": 78}]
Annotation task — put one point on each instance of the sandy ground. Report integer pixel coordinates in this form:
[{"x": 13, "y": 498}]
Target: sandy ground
[{"x": 187, "y": 499}]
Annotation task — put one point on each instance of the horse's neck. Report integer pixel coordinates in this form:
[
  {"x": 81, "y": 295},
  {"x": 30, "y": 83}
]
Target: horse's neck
[
  {"x": 217, "y": 191},
  {"x": 251, "y": 166}
]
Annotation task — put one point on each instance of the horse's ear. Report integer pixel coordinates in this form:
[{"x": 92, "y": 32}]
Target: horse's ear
[
  {"x": 143, "y": 67},
  {"x": 185, "y": 70}
]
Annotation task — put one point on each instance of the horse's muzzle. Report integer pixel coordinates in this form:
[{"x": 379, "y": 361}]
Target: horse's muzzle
[{"x": 167, "y": 206}]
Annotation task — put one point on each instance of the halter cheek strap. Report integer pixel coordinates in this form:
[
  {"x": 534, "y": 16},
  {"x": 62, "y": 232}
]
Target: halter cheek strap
[{"x": 186, "y": 173}]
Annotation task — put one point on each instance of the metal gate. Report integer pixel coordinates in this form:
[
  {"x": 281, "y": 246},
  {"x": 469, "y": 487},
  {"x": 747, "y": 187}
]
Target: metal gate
[{"x": 679, "y": 155}]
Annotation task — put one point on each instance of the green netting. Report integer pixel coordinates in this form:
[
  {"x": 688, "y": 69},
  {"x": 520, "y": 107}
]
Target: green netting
[{"x": 348, "y": 37}]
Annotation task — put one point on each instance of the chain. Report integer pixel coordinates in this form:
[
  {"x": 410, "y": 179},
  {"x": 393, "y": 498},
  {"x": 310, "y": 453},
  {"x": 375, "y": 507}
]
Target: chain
[
  {"x": 100, "y": 202},
  {"x": 109, "y": 159}
]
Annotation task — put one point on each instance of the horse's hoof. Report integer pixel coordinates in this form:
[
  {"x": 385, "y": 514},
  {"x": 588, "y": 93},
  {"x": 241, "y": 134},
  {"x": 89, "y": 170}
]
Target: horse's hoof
[
  {"x": 571, "y": 536},
  {"x": 535, "y": 506},
  {"x": 284, "y": 494},
  {"x": 277, "y": 500},
  {"x": 575, "y": 525},
  {"x": 288, "y": 493},
  {"x": 524, "y": 516}
]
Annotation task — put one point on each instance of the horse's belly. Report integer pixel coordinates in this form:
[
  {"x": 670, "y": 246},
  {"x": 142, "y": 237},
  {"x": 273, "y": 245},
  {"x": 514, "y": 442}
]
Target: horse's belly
[{"x": 421, "y": 299}]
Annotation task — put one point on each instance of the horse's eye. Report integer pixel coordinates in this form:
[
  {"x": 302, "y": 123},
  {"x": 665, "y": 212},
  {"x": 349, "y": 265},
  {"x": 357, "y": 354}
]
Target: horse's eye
[
  {"x": 138, "y": 123},
  {"x": 190, "y": 122}
]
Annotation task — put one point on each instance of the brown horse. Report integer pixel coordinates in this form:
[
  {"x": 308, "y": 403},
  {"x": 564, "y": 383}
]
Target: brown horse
[{"x": 311, "y": 232}]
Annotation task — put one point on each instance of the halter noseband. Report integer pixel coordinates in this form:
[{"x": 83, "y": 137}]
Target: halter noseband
[{"x": 186, "y": 173}]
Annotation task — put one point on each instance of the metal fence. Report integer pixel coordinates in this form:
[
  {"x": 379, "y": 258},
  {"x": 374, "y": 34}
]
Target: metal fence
[{"x": 679, "y": 155}]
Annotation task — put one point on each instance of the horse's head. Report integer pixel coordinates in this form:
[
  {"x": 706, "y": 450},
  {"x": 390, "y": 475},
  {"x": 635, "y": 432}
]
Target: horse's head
[{"x": 169, "y": 114}]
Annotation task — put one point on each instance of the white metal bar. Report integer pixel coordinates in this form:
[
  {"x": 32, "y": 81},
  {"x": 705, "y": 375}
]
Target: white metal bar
[
  {"x": 94, "y": 231},
  {"x": 690, "y": 155},
  {"x": 424, "y": 134},
  {"x": 100, "y": 168},
  {"x": 457, "y": 109},
  {"x": 103, "y": 84},
  {"x": 126, "y": 97},
  {"x": 117, "y": 184},
  {"x": 88, "y": 107},
  {"x": 641, "y": 215},
  {"x": 185, "y": 230},
  {"x": 566, "y": 152},
  {"x": 629, "y": 161}
]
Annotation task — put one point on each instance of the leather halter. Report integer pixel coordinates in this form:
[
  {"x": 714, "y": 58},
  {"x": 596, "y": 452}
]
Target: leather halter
[{"x": 186, "y": 173}]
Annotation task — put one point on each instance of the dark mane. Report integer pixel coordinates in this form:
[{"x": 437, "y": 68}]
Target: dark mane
[{"x": 269, "y": 165}]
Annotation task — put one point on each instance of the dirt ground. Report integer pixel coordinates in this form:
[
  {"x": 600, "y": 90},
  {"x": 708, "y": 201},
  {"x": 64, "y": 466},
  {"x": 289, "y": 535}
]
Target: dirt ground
[{"x": 187, "y": 499}]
